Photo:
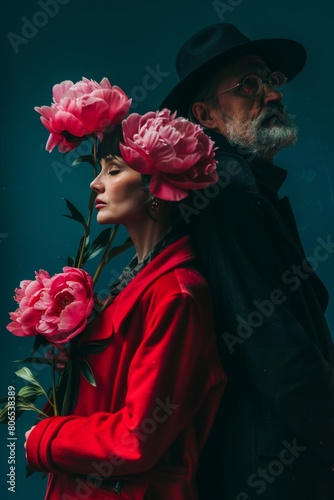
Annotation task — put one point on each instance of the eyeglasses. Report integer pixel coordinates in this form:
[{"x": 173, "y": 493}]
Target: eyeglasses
[{"x": 252, "y": 85}]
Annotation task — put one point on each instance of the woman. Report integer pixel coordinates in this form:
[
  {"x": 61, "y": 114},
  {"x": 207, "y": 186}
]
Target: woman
[{"x": 139, "y": 432}]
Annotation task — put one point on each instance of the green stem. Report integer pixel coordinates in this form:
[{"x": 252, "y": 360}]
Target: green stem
[
  {"x": 55, "y": 409},
  {"x": 82, "y": 251},
  {"x": 91, "y": 207},
  {"x": 105, "y": 304},
  {"x": 61, "y": 376},
  {"x": 41, "y": 412},
  {"x": 47, "y": 397},
  {"x": 105, "y": 254}
]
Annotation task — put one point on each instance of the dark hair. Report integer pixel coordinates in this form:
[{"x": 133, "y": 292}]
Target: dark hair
[
  {"x": 110, "y": 144},
  {"x": 172, "y": 208}
]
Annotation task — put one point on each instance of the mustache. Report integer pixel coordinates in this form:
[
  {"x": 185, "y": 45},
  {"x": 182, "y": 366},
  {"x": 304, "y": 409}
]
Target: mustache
[{"x": 275, "y": 111}]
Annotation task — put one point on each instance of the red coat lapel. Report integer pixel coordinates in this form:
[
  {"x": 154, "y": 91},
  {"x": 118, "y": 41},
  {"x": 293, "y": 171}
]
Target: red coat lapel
[{"x": 112, "y": 317}]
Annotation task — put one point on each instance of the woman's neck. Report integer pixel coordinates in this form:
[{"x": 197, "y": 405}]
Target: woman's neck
[{"x": 145, "y": 238}]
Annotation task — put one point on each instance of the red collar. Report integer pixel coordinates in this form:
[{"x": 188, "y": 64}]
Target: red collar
[{"x": 175, "y": 255}]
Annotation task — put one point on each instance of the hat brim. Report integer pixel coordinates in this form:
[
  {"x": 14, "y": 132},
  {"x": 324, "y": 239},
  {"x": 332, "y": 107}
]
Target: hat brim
[{"x": 280, "y": 54}]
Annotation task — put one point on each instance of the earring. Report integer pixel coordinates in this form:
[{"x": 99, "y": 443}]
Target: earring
[{"x": 155, "y": 204}]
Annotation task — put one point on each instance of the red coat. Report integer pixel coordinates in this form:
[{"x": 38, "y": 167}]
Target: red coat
[{"x": 159, "y": 382}]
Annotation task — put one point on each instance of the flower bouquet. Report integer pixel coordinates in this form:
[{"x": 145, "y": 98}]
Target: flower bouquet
[{"x": 56, "y": 309}]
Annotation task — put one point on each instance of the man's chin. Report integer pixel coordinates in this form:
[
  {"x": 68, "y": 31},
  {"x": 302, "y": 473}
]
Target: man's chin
[
  {"x": 278, "y": 136},
  {"x": 272, "y": 122}
]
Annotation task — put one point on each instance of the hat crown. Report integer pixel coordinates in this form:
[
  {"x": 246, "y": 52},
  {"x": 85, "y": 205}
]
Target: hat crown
[{"x": 207, "y": 44}]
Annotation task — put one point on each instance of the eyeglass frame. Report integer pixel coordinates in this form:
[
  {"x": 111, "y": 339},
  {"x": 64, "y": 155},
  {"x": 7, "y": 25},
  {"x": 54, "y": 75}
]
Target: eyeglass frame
[{"x": 263, "y": 81}]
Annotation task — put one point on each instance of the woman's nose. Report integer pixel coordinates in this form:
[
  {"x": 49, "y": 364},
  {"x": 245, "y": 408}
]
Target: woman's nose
[{"x": 96, "y": 184}]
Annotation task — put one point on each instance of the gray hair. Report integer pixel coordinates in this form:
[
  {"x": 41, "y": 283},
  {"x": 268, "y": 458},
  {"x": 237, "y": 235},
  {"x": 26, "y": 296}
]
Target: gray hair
[{"x": 206, "y": 93}]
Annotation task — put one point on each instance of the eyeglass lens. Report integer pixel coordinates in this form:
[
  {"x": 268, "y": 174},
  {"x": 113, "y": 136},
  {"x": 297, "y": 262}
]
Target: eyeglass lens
[{"x": 252, "y": 84}]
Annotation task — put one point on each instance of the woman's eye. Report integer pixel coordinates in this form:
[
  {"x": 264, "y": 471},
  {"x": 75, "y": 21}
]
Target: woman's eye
[{"x": 113, "y": 172}]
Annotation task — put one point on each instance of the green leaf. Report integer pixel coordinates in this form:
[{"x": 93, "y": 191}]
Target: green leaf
[
  {"x": 98, "y": 244},
  {"x": 86, "y": 371},
  {"x": 74, "y": 138},
  {"x": 84, "y": 159},
  {"x": 27, "y": 375},
  {"x": 92, "y": 348},
  {"x": 4, "y": 415},
  {"x": 21, "y": 404},
  {"x": 33, "y": 359},
  {"x": 67, "y": 392},
  {"x": 40, "y": 340},
  {"x": 75, "y": 214},
  {"x": 29, "y": 470},
  {"x": 30, "y": 392},
  {"x": 70, "y": 261},
  {"x": 119, "y": 249}
]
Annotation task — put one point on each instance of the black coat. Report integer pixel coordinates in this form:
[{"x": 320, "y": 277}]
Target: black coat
[{"x": 274, "y": 436}]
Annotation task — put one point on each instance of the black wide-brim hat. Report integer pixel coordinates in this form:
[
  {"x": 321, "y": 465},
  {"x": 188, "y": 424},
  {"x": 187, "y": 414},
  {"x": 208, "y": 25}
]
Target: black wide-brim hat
[{"x": 211, "y": 48}]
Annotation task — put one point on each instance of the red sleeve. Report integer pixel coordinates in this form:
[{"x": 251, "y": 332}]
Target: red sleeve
[{"x": 174, "y": 370}]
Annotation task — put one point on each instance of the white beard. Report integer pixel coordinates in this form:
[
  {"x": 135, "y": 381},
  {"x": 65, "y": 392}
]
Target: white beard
[{"x": 265, "y": 136}]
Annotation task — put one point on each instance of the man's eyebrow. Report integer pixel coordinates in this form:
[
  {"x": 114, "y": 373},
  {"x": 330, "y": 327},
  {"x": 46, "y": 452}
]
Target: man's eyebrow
[{"x": 254, "y": 68}]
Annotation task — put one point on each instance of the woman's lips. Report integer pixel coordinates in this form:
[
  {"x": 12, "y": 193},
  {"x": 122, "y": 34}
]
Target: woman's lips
[{"x": 99, "y": 204}]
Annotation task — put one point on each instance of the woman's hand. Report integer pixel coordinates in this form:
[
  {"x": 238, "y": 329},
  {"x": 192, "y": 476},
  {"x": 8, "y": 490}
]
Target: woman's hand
[{"x": 26, "y": 436}]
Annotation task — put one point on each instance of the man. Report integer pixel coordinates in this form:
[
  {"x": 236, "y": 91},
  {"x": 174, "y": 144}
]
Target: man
[{"x": 274, "y": 435}]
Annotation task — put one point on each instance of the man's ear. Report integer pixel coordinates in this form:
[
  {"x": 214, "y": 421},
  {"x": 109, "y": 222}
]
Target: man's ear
[{"x": 202, "y": 113}]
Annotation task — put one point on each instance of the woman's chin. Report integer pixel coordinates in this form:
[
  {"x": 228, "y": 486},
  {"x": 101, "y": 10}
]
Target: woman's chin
[{"x": 101, "y": 219}]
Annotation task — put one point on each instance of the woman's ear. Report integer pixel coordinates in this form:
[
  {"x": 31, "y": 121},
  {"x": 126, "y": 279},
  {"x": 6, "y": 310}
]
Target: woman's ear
[{"x": 202, "y": 113}]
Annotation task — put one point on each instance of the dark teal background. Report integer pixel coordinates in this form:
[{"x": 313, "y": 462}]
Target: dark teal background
[{"x": 125, "y": 41}]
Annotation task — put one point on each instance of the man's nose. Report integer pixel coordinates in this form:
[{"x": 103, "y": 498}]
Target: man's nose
[{"x": 271, "y": 94}]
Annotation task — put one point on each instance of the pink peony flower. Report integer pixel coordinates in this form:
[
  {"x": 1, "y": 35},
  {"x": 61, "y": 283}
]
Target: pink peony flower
[
  {"x": 80, "y": 110},
  {"x": 56, "y": 307},
  {"x": 176, "y": 152}
]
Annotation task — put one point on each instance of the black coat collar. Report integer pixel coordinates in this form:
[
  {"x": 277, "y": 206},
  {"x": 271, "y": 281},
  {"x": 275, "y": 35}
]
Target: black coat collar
[{"x": 268, "y": 177}]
